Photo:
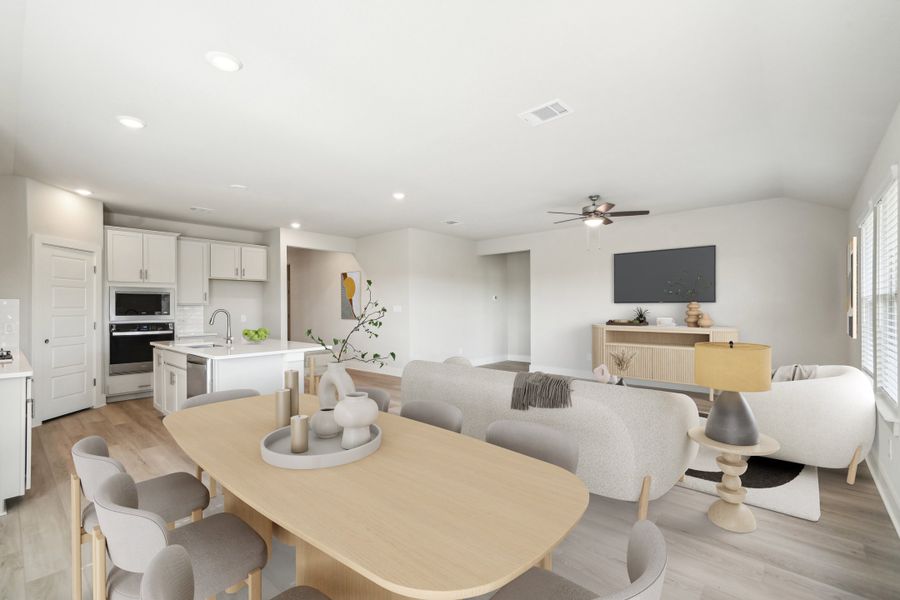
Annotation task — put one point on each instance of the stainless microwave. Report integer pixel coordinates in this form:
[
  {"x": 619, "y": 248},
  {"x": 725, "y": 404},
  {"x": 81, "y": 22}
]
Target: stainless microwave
[{"x": 129, "y": 305}]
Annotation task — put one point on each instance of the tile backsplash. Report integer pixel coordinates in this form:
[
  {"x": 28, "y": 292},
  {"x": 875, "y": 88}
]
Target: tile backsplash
[
  {"x": 189, "y": 320},
  {"x": 9, "y": 324}
]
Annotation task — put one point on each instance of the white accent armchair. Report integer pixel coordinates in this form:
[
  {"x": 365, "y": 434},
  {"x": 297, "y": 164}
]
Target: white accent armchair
[{"x": 828, "y": 421}]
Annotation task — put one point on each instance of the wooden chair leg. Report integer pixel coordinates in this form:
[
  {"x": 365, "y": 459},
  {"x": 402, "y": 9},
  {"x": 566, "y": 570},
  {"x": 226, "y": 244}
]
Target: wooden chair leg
[
  {"x": 644, "y": 500},
  {"x": 98, "y": 569},
  {"x": 75, "y": 534},
  {"x": 196, "y": 515},
  {"x": 854, "y": 462},
  {"x": 547, "y": 561},
  {"x": 254, "y": 585}
]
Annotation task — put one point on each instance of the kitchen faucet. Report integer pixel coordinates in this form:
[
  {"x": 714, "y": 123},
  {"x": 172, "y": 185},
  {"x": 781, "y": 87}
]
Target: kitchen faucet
[{"x": 228, "y": 339}]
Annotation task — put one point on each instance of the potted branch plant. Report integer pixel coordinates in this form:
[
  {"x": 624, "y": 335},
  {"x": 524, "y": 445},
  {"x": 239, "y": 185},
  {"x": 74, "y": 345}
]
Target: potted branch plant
[
  {"x": 622, "y": 360},
  {"x": 336, "y": 383},
  {"x": 689, "y": 289}
]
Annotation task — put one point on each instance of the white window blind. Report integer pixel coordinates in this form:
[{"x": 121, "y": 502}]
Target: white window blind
[
  {"x": 886, "y": 293},
  {"x": 866, "y": 283}
]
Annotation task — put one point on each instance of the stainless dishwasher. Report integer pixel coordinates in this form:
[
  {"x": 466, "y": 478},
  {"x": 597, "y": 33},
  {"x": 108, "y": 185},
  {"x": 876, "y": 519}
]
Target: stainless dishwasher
[{"x": 198, "y": 375}]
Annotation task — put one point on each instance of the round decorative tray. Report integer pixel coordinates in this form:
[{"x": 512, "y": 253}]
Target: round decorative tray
[{"x": 323, "y": 452}]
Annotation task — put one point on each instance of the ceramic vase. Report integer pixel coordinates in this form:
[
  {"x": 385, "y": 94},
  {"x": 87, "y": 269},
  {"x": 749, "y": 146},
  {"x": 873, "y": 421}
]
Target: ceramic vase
[
  {"x": 323, "y": 424},
  {"x": 692, "y": 315},
  {"x": 355, "y": 413},
  {"x": 334, "y": 385},
  {"x": 704, "y": 320}
]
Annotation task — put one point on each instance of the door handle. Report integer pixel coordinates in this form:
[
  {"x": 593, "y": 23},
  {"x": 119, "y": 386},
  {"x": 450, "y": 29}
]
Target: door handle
[{"x": 47, "y": 341}]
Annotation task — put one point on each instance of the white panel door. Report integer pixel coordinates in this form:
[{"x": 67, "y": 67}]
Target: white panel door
[
  {"x": 124, "y": 256},
  {"x": 193, "y": 280},
  {"x": 254, "y": 263},
  {"x": 160, "y": 258},
  {"x": 64, "y": 322},
  {"x": 224, "y": 261}
]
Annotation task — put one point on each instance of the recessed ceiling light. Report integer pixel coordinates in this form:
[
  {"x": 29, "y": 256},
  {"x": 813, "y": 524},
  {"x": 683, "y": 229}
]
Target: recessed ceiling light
[
  {"x": 237, "y": 186},
  {"x": 83, "y": 192},
  {"x": 131, "y": 122},
  {"x": 203, "y": 209},
  {"x": 399, "y": 195},
  {"x": 295, "y": 225},
  {"x": 224, "y": 61},
  {"x": 452, "y": 221}
]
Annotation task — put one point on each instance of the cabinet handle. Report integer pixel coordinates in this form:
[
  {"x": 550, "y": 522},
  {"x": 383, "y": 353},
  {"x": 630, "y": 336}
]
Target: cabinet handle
[
  {"x": 243, "y": 271},
  {"x": 171, "y": 378},
  {"x": 235, "y": 271},
  {"x": 204, "y": 296},
  {"x": 146, "y": 274}
]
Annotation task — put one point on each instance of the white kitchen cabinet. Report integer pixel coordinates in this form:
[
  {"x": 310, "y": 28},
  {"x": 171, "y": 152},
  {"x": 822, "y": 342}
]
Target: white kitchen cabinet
[
  {"x": 159, "y": 380},
  {"x": 124, "y": 256},
  {"x": 193, "y": 272},
  {"x": 159, "y": 258},
  {"x": 15, "y": 429},
  {"x": 233, "y": 261},
  {"x": 176, "y": 388},
  {"x": 224, "y": 261},
  {"x": 136, "y": 256},
  {"x": 254, "y": 263}
]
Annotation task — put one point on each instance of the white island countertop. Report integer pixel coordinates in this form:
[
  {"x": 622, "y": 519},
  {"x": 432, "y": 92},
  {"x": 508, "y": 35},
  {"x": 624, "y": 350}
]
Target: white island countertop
[
  {"x": 19, "y": 367},
  {"x": 217, "y": 350}
]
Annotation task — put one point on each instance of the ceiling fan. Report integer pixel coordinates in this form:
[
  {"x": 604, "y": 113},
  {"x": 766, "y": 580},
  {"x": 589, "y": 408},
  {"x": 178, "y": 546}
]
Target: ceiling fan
[{"x": 595, "y": 214}]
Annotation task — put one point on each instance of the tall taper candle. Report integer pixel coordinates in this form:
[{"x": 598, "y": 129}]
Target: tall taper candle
[
  {"x": 299, "y": 433},
  {"x": 292, "y": 382},
  {"x": 282, "y": 408}
]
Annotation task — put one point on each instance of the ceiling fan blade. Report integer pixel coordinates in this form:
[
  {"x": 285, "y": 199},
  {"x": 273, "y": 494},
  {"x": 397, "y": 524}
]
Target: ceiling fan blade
[
  {"x": 605, "y": 207},
  {"x": 606, "y": 221},
  {"x": 567, "y": 220},
  {"x": 628, "y": 213},
  {"x": 556, "y": 212}
]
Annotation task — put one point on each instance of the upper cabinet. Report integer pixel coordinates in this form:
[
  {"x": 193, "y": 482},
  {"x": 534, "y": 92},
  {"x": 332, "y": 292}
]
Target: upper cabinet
[
  {"x": 135, "y": 256},
  {"x": 234, "y": 261},
  {"x": 193, "y": 277}
]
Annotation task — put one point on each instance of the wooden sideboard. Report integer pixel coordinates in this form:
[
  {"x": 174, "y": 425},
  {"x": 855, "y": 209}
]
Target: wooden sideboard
[{"x": 660, "y": 353}]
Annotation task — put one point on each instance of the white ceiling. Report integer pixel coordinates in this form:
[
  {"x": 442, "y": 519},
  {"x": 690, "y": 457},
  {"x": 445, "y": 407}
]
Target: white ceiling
[{"x": 340, "y": 103}]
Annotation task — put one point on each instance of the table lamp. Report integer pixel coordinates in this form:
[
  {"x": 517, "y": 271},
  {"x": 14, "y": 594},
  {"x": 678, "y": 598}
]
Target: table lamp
[{"x": 732, "y": 368}]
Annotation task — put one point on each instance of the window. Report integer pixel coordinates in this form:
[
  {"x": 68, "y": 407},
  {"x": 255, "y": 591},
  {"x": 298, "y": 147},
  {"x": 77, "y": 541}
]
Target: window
[{"x": 878, "y": 273}]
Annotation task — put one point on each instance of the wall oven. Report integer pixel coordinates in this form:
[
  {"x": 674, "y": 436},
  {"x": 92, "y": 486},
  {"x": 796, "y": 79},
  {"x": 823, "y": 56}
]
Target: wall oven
[
  {"x": 129, "y": 345},
  {"x": 130, "y": 305}
]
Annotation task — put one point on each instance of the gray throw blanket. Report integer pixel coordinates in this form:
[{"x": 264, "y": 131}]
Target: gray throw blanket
[
  {"x": 541, "y": 390},
  {"x": 794, "y": 373}
]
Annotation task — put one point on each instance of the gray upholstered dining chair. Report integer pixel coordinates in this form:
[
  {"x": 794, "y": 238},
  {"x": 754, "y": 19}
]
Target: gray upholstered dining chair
[
  {"x": 381, "y": 397},
  {"x": 212, "y": 398},
  {"x": 169, "y": 576},
  {"x": 439, "y": 414},
  {"x": 646, "y": 570},
  {"x": 458, "y": 360},
  {"x": 224, "y": 551},
  {"x": 172, "y": 497},
  {"x": 535, "y": 440}
]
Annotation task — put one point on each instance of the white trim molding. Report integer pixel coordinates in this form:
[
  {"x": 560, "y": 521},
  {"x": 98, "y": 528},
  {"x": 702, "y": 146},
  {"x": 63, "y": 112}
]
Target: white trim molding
[{"x": 891, "y": 502}]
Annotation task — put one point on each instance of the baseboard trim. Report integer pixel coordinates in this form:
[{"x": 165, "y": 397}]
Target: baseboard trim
[
  {"x": 891, "y": 503},
  {"x": 563, "y": 371},
  {"x": 519, "y": 358}
]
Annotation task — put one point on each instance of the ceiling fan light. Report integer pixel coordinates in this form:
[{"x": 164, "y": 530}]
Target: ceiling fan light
[{"x": 593, "y": 221}]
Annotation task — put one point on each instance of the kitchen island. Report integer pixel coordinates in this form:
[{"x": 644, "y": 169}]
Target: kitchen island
[{"x": 183, "y": 369}]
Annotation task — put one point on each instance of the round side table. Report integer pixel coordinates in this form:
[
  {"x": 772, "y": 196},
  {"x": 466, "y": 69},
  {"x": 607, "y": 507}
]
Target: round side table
[{"x": 730, "y": 512}]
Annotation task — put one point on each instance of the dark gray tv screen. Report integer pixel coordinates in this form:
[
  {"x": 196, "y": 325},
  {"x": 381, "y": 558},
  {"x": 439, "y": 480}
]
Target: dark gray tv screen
[{"x": 676, "y": 275}]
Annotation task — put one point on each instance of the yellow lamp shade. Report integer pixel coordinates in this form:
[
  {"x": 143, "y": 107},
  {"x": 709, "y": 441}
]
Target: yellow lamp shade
[{"x": 733, "y": 367}]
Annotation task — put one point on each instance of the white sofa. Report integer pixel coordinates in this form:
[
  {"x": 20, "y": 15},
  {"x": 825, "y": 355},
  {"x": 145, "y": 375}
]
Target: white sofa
[
  {"x": 828, "y": 421},
  {"x": 625, "y": 435}
]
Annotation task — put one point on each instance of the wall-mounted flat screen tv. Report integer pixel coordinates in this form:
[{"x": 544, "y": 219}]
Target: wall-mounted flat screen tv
[{"x": 676, "y": 275}]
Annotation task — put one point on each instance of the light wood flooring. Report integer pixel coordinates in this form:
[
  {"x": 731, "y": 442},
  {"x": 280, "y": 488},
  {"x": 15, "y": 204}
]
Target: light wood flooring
[{"x": 852, "y": 552}]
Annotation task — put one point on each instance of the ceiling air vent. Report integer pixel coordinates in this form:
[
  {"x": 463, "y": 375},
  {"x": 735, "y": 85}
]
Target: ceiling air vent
[{"x": 545, "y": 112}]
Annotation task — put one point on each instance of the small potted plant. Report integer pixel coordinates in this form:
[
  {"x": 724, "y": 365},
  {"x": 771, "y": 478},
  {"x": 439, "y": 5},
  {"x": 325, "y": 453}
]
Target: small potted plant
[
  {"x": 640, "y": 315},
  {"x": 622, "y": 360}
]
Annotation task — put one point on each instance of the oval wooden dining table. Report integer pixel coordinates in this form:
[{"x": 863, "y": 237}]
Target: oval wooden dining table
[{"x": 431, "y": 514}]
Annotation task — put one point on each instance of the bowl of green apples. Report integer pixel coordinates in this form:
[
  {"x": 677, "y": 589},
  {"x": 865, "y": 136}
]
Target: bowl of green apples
[{"x": 255, "y": 336}]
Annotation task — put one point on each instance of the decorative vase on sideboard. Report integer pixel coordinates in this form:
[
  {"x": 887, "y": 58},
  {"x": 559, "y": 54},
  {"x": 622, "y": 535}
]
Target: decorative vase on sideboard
[
  {"x": 692, "y": 315},
  {"x": 704, "y": 320},
  {"x": 355, "y": 413},
  {"x": 334, "y": 385}
]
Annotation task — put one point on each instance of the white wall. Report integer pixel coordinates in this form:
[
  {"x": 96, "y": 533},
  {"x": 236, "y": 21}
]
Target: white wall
[
  {"x": 884, "y": 460},
  {"x": 518, "y": 306},
  {"x": 316, "y": 292},
  {"x": 780, "y": 279}
]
